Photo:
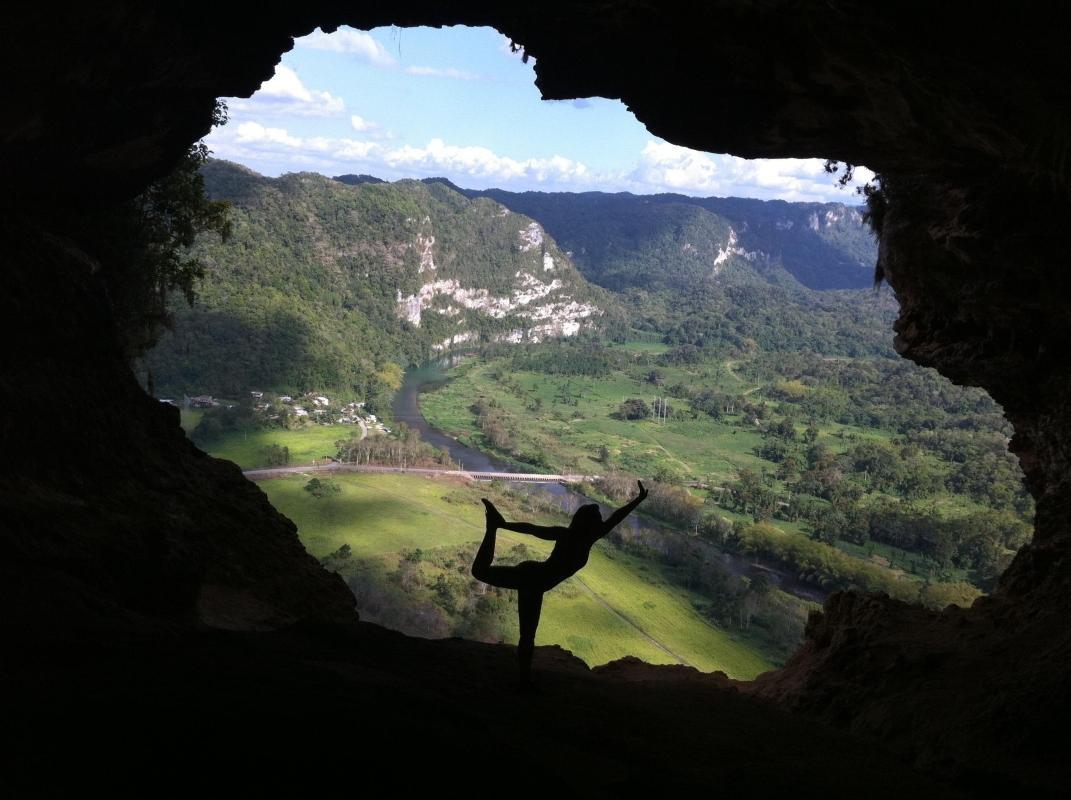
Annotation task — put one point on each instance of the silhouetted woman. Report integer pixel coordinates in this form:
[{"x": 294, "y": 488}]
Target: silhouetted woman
[{"x": 532, "y": 578}]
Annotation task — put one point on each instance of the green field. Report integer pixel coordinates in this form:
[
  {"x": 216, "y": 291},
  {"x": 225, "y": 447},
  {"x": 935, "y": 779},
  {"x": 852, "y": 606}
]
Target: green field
[
  {"x": 617, "y": 606},
  {"x": 569, "y": 419},
  {"x": 246, "y": 448},
  {"x": 189, "y": 417},
  {"x": 568, "y": 423}
]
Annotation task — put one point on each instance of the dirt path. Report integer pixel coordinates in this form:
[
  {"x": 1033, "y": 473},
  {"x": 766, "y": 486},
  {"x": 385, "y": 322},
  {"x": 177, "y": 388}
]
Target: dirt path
[
  {"x": 673, "y": 457},
  {"x": 730, "y": 368}
]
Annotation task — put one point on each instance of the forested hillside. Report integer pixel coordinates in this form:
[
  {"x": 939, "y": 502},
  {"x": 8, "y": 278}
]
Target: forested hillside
[
  {"x": 665, "y": 240},
  {"x": 744, "y": 274},
  {"x": 324, "y": 284}
]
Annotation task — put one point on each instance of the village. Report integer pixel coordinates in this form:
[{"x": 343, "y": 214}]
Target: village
[{"x": 312, "y": 408}]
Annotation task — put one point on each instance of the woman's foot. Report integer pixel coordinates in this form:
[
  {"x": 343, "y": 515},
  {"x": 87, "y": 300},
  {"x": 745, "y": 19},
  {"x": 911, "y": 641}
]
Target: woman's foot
[{"x": 494, "y": 518}]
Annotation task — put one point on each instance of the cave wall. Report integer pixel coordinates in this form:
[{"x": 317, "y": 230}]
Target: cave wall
[
  {"x": 110, "y": 515},
  {"x": 966, "y": 115}
]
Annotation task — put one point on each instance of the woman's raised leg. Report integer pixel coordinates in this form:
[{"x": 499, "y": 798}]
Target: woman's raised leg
[{"x": 481, "y": 565}]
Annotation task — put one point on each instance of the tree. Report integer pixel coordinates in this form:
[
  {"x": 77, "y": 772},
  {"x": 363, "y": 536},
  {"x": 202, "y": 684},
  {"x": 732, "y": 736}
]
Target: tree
[
  {"x": 142, "y": 245},
  {"x": 633, "y": 408},
  {"x": 275, "y": 455},
  {"x": 322, "y": 488}
]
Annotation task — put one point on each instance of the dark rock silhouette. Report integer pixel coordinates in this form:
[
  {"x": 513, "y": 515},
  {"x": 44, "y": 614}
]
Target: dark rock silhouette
[
  {"x": 532, "y": 579},
  {"x": 121, "y": 545}
]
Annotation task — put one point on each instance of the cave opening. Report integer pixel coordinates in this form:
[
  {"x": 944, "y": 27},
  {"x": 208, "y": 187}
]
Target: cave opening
[
  {"x": 182, "y": 595},
  {"x": 796, "y": 453}
]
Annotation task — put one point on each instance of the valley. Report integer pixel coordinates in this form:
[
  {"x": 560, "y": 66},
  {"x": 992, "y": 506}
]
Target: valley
[{"x": 721, "y": 351}]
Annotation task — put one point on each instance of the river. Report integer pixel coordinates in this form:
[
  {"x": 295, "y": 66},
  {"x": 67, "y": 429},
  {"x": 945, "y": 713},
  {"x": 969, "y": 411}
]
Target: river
[{"x": 406, "y": 408}]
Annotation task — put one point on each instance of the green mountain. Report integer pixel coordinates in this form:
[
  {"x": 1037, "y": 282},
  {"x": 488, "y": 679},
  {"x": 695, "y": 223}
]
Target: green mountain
[
  {"x": 326, "y": 284},
  {"x": 668, "y": 240},
  {"x": 725, "y": 272}
]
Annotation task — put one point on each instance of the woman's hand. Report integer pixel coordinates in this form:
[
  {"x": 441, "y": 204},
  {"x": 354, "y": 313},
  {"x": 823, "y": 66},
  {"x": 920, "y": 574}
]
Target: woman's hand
[
  {"x": 643, "y": 492},
  {"x": 493, "y": 517}
]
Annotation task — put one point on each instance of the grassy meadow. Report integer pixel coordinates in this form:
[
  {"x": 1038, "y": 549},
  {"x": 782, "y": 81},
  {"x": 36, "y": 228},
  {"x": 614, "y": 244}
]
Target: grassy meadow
[
  {"x": 617, "y": 605},
  {"x": 568, "y": 420},
  {"x": 246, "y": 448}
]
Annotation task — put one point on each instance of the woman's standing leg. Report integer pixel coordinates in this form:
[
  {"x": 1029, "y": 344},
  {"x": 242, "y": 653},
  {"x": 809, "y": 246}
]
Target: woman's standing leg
[{"x": 529, "y": 604}]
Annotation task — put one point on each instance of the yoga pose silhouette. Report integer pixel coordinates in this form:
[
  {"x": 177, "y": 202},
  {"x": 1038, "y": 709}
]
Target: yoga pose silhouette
[{"x": 532, "y": 578}]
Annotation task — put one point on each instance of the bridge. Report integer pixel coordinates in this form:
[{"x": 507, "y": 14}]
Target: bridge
[{"x": 472, "y": 475}]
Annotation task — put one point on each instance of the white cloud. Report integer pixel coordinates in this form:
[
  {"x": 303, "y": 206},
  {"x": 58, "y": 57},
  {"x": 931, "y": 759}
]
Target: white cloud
[
  {"x": 254, "y": 133},
  {"x": 448, "y": 72},
  {"x": 660, "y": 167},
  {"x": 261, "y": 146},
  {"x": 480, "y": 162},
  {"x": 361, "y": 124},
  {"x": 667, "y": 167},
  {"x": 678, "y": 168},
  {"x": 348, "y": 40},
  {"x": 349, "y": 149},
  {"x": 285, "y": 94}
]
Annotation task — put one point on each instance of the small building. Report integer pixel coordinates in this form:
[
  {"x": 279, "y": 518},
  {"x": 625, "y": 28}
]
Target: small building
[
  {"x": 203, "y": 401},
  {"x": 257, "y": 395},
  {"x": 286, "y": 399},
  {"x": 320, "y": 400}
]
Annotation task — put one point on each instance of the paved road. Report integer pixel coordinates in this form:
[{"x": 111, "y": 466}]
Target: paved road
[{"x": 334, "y": 466}]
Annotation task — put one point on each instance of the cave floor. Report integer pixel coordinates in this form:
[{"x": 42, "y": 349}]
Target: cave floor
[{"x": 341, "y": 706}]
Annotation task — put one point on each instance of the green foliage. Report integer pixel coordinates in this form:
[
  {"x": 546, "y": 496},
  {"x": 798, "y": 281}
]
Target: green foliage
[
  {"x": 305, "y": 294},
  {"x": 634, "y": 408},
  {"x": 668, "y": 241},
  {"x": 830, "y": 568},
  {"x": 565, "y": 358},
  {"x": 274, "y": 455},
  {"x": 143, "y": 246},
  {"x": 318, "y": 487},
  {"x": 222, "y": 420},
  {"x": 403, "y": 448}
]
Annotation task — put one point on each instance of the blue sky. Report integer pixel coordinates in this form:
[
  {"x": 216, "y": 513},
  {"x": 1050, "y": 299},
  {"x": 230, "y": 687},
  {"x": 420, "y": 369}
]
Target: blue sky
[{"x": 456, "y": 102}]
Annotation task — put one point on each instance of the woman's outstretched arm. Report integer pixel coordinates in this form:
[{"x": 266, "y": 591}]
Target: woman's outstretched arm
[
  {"x": 549, "y": 532},
  {"x": 616, "y": 518}
]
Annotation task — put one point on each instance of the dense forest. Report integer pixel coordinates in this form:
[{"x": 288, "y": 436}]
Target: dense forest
[
  {"x": 726, "y": 272},
  {"x": 820, "y": 245},
  {"x": 325, "y": 285}
]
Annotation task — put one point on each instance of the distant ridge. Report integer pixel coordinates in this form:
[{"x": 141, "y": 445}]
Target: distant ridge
[
  {"x": 357, "y": 180},
  {"x": 822, "y": 245}
]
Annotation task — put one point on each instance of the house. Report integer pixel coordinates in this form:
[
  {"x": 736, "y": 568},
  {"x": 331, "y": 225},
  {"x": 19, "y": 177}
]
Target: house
[
  {"x": 300, "y": 412},
  {"x": 257, "y": 395},
  {"x": 203, "y": 401},
  {"x": 286, "y": 399},
  {"x": 320, "y": 400}
]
